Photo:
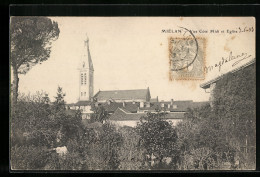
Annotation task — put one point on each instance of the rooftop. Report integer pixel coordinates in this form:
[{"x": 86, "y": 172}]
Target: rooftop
[
  {"x": 138, "y": 94},
  {"x": 208, "y": 83},
  {"x": 121, "y": 114}
]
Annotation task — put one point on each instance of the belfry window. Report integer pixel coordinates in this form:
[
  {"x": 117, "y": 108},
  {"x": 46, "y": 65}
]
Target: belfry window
[
  {"x": 81, "y": 79},
  {"x": 85, "y": 78}
]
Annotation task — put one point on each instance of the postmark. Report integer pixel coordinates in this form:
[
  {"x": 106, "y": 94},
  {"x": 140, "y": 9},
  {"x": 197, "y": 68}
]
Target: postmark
[{"x": 187, "y": 57}]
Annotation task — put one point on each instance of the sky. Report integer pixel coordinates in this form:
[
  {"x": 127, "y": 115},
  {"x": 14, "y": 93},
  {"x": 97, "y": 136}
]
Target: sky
[{"x": 132, "y": 53}]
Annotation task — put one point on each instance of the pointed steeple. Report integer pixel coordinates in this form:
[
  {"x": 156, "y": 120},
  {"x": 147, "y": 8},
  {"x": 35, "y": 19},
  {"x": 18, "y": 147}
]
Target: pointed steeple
[
  {"x": 86, "y": 74},
  {"x": 87, "y": 61}
]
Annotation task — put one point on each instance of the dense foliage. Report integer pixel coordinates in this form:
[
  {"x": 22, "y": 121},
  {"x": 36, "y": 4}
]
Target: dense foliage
[
  {"x": 235, "y": 106},
  {"x": 37, "y": 127},
  {"x": 212, "y": 137},
  {"x": 159, "y": 139}
]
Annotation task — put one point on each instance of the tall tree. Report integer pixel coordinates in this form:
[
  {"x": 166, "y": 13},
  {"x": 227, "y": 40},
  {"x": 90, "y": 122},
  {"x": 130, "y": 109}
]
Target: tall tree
[
  {"x": 31, "y": 39},
  {"x": 59, "y": 102}
]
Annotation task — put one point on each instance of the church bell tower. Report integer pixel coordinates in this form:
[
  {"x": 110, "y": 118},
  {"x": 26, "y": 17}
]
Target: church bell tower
[{"x": 86, "y": 72}]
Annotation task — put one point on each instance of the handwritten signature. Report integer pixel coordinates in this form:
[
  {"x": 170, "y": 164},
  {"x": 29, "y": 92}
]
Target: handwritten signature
[{"x": 238, "y": 58}]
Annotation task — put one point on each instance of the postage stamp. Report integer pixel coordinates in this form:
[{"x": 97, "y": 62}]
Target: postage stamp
[{"x": 187, "y": 58}]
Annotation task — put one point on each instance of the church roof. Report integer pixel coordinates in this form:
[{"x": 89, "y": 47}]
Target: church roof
[{"x": 138, "y": 94}]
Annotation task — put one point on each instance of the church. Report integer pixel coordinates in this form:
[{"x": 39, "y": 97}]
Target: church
[{"x": 124, "y": 106}]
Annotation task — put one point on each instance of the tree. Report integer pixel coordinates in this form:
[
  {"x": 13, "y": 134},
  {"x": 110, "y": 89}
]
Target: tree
[
  {"x": 31, "y": 39},
  {"x": 202, "y": 140},
  {"x": 59, "y": 102},
  {"x": 159, "y": 138},
  {"x": 130, "y": 154}
]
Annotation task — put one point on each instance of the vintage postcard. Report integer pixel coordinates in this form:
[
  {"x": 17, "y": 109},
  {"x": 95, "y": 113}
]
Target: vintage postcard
[{"x": 132, "y": 93}]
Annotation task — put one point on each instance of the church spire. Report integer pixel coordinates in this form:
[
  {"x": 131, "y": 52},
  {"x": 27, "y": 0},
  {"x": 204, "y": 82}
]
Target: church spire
[
  {"x": 86, "y": 74},
  {"x": 87, "y": 57}
]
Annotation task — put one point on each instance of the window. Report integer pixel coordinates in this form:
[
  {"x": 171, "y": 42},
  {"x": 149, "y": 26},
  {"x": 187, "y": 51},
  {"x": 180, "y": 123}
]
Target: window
[
  {"x": 85, "y": 78},
  {"x": 81, "y": 79},
  {"x": 84, "y": 93},
  {"x": 81, "y": 93}
]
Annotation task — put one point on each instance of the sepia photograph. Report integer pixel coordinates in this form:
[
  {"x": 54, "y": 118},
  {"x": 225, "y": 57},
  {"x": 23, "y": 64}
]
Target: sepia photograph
[{"x": 132, "y": 93}]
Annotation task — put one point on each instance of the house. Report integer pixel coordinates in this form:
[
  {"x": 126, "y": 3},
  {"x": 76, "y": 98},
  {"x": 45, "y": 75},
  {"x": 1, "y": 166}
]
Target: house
[{"x": 210, "y": 85}]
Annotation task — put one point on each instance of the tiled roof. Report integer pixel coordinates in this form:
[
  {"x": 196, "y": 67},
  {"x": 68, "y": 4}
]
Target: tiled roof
[
  {"x": 112, "y": 106},
  {"x": 123, "y": 94},
  {"x": 131, "y": 107},
  {"x": 121, "y": 114}
]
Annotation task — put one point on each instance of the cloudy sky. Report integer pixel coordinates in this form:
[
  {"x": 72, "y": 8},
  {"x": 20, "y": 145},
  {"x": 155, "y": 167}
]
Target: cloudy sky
[{"x": 132, "y": 53}]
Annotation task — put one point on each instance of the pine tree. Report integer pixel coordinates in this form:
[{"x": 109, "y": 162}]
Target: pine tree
[{"x": 59, "y": 102}]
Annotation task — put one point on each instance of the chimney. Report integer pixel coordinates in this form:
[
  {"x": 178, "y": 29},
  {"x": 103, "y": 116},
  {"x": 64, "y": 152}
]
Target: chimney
[
  {"x": 123, "y": 104},
  {"x": 171, "y": 101}
]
